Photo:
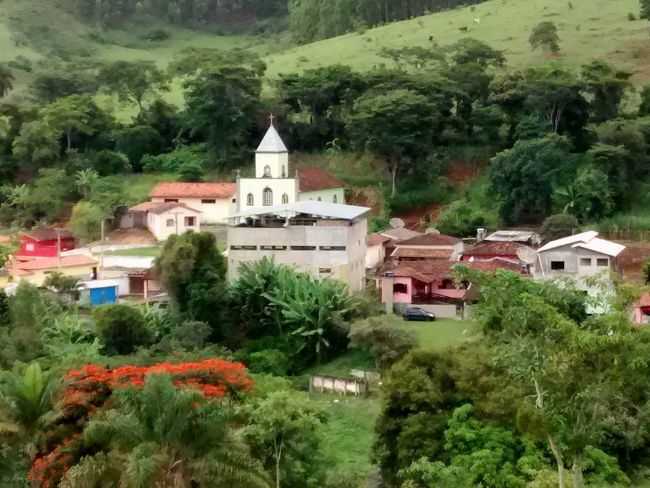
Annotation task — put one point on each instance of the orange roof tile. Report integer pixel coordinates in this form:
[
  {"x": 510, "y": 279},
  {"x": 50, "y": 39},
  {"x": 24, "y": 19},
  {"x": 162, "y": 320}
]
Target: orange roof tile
[
  {"x": 315, "y": 179},
  {"x": 431, "y": 239},
  {"x": 217, "y": 190},
  {"x": 402, "y": 252},
  {"x": 376, "y": 239},
  {"x": 51, "y": 263}
]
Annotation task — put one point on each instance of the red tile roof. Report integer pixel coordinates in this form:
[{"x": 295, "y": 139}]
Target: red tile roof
[
  {"x": 425, "y": 271},
  {"x": 405, "y": 252},
  {"x": 644, "y": 300},
  {"x": 194, "y": 190},
  {"x": 376, "y": 239},
  {"x": 315, "y": 179},
  {"x": 52, "y": 263},
  {"x": 160, "y": 207},
  {"x": 491, "y": 265},
  {"x": 494, "y": 248},
  {"x": 432, "y": 239},
  {"x": 47, "y": 234}
]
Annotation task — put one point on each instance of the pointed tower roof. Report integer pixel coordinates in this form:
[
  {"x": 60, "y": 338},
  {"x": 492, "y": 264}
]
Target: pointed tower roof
[{"x": 272, "y": 142}]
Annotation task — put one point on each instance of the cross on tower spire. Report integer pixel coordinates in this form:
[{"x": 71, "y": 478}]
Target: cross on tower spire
[{"x": 271, "y": 118}]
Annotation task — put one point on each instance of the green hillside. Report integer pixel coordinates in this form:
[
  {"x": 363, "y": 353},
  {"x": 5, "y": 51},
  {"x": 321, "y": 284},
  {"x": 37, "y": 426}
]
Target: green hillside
[{"x": 588, "y": 29}]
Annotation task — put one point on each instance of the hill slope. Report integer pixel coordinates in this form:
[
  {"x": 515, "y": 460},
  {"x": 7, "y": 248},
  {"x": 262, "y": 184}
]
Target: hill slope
[{"x": 588, "y": 29}]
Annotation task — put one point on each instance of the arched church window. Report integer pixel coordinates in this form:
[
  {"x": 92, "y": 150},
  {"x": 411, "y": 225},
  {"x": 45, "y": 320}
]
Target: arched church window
[
  {"x": 319, "y": 199},
  {"x": 335, "y": 199},
  {"x": 284, "y": 171},
  {"x": 267, "y": 197},
  {"x": 267, "y": 171},
  {"x": 250, "y": 200},
  {"x": 285, "y": 198}
]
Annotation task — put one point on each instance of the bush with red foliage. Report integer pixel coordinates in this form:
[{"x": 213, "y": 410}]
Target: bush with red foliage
[{"x": 90, "y": 387}]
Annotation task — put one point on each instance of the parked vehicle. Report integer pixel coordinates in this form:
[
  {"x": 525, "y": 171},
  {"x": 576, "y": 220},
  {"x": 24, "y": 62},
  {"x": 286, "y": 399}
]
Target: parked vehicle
[{"x": 416, "y": 313}]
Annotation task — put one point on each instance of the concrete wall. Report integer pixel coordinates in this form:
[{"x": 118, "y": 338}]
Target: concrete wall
[
  {"x": 173, "y": 222},
  {"x": 375, "y": 256},
  {"x": 324, "y": 195},
  {"x": 211, "y": 213},
  {"x": 572, "y": 262},
  {"x": 345, "y": 265},
  {"x": 256, "y": 186}
]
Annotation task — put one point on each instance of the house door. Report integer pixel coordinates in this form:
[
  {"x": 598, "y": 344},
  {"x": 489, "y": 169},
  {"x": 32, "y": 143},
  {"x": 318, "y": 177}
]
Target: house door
[{"x": 136, "y": 285}]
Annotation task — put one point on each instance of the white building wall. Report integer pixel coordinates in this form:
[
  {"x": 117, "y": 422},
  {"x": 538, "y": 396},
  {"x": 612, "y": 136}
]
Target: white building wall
[
  {"x": 279, "y": 186},
  {"x": 346, "y": 265},
  {"x": 277, "y": 163},
  {"x": 211, "y": 213},
  {"x": 375, "y": 256},
  {"x": 324, "y": 195},
  {"x": 173, "y": 222}
]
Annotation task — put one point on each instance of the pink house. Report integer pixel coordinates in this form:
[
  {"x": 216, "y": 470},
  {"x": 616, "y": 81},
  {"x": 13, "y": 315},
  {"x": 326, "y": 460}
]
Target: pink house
[
  {"x": 431, "y": 282},
  {"x": 641, "y": 311}
]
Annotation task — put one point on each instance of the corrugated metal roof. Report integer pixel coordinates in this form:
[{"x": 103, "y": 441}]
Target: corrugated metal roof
[
  {"x": 567, "y": 241},
  {"x": 272, "y": 142},
  {"x": 602, "y": 246},
  {"x": 317, "y": 209}
]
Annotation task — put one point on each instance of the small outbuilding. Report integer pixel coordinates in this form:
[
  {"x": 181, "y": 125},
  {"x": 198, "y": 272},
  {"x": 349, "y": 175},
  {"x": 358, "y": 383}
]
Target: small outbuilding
[
  {"x": 45, "y": 243},
  {"x": 99, "y": 292}
]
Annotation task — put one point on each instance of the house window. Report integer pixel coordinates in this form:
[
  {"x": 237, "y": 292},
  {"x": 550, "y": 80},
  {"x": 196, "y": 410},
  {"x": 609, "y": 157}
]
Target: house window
[
  {"x": 267, "y": 171},
  {"x": 285, "y": 198},
  {"x": 447, "y": 284},
  {"x": 30, "y": 246},
  {"x": 171, "y": 200},
  {"x": 209, "y": 201},
  {"x": 267, "y": 197},
  {"x": 250, "y": 200},
  {"x": 324, "y": 270},
  {"x": 400, "y": 288},
  {"x": 335, "y": 199},
  {"x": 602, "y": 262},
  {"x": 319, "y": 199},
  {"x": 332, "y": 248},
  {"x": 557, "y": 265},
  {"x": 171, "y": 222},
  {"x": 585, "y": 261},
  {"x": 303, "y": 248},
  {"x": 190, "y": 221}
]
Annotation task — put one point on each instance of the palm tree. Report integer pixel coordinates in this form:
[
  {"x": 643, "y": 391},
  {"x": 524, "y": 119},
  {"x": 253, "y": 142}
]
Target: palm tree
[
  {"x": 6, "y": 80},
  {"x": 166, "y": 437},
  {"x": 85, "y": 179}
]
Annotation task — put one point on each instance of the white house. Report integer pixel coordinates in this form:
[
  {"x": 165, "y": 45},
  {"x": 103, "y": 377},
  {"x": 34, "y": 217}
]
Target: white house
[
  {"x": 163, "y": 219},
  {"x": 375, "y": 250},
  {"x": 273, "y": 184},
  {"x": 327, "y": 240},
  {"x": 215, "y": 200},
  {"x": 584, "y": 258}
]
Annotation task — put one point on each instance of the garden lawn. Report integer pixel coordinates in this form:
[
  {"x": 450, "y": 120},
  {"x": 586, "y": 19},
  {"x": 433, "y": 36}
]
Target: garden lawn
[
  {"x": 153, "y": 251},
  {"x": 349, "y": 432}
]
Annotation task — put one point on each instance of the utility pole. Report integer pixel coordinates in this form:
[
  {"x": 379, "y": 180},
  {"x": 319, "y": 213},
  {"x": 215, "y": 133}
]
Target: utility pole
[
  {"x": 101, "y": 249},
  {"x": 58, "y": 247}
]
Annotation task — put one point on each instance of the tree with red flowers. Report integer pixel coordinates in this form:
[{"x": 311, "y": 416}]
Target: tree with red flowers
[{"x": 161, "y": 435}]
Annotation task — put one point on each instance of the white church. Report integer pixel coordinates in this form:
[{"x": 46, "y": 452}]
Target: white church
[
  {"x": 176, "y": 207},
  {"x": 275, "y": 184}
]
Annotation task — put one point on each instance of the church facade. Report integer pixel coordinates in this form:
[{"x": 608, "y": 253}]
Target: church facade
[{"x": 276, "y": 184}]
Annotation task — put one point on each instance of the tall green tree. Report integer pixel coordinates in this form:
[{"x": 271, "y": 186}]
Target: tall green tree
[
  {"x": 524, "y": 177},
  {"x": 37, "y": 144},
  {"x": 221, "y": 104},
  {"x": 133, "y": 81},
  {"x": 283, "y": 431},
  {"x": 397, "y": 126},
  {"x": 645, "y": 9},
  {"x": 606, "y": 86},
  {"x": 6, "y": 80},
  {"x": 545, "y": 35},
  {"x": 193, "y": 271},
  {"x": 70, "y": 115}
]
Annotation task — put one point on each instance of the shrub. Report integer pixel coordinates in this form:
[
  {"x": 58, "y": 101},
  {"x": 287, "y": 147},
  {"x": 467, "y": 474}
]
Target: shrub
[
  {"x": 85, "y": 221},
  {"x": 107, "y": 162},
  {"x": 157, "y": 35},
  {"x": 387, "y": 344},
  {"x": 122, "y": 328},
  {"x": 631, "y": 17},
  {"x": 461, "y": 218},
  {"x": 192, "y": 334},
  {"x": 191, "y": 172},
  {"x": 172, "y": 162},
  {"x": 560, "y": 225},
  {"x": 269, "y": 361}
]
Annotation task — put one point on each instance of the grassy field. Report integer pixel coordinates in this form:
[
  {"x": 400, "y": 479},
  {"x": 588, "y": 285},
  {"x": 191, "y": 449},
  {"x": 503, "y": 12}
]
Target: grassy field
[{"x": 588, "y": 29}]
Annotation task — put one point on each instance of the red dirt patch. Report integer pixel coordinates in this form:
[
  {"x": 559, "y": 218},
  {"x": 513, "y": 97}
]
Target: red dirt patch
[
  {"x": 131, "y": 236},
  {"x": 418, "y": 218},
  {"x": 462, "y": 172},
  {"x": 632, "y": 258}
]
